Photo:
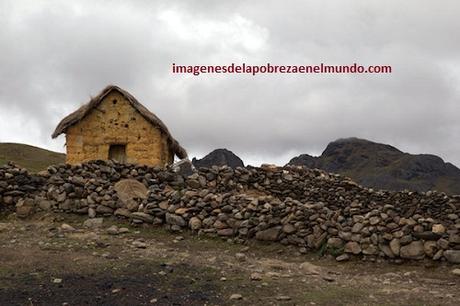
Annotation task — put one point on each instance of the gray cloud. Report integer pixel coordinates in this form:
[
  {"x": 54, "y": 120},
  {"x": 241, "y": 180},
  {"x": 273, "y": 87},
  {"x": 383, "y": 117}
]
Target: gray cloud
[{"x": 55, "y": 54}]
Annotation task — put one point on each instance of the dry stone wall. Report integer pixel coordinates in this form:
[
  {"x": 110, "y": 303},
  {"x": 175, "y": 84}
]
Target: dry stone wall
[{"x": 307, "y": 208}]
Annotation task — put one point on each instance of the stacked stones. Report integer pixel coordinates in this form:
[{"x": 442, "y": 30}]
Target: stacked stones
[
  {"x": 297, "y": 206},
  {"x": 17, "y": 189}
]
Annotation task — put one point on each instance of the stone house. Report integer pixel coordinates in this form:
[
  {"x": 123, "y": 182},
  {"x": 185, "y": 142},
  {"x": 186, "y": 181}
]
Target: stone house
[{"x": 114, "y": 125}]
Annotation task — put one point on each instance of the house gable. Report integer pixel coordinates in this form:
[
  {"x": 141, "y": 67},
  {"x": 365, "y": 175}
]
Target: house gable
[{"x": 114, "y": 121}]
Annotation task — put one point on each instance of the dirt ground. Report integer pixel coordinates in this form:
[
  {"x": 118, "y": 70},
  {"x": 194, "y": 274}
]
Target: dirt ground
[{"x": 43, "y": 262}]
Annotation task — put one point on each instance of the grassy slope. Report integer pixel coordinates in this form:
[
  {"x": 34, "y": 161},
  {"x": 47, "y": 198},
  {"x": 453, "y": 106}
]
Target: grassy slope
[{"x": 32, "y": 158}]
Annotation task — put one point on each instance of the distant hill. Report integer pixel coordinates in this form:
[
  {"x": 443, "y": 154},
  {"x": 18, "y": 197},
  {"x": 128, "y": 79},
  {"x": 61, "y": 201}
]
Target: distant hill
[
  {"x": 385, "y": 167},
  {"x": 32, "y": 158},
  {"x": 219, "y": 157}
]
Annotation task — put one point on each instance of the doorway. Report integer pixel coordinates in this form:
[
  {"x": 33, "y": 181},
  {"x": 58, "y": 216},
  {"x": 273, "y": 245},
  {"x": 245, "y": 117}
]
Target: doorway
[{"x": 117, "y": 152}]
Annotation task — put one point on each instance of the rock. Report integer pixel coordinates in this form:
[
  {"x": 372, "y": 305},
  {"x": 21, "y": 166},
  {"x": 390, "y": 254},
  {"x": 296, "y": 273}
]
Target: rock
[
  {"x": 357, "y": 227},
  {"x": 283, "y": 298},
  {"x": 428, "y": 235},
  {"x": 142, "y": 216},
  {"x": 123, "y": 230},
  {"x": 104, "y": 210},
  {"x": 236, "y": 296},
  {"x": 93, "y": 223},
  {"x": 395, "y": 246},
  {"x": 256, "y": 276},
  {"x": 328, "y": 278},
  {"x": 175, "y": 220},
  {"x": 456, "y": 272},
  {"x": 369, "y": 249},
  {"x": 386, "y": 250},
  {"x": 129, "y": 189},
  {"x": 335, "y": 243},
  {"x": 352, "y": 247},
  {"x": 194, "y": 223},
  {"x": 414, "y": 250},
  {"x": 374, "y": 220},
  {"x": 24, "y": 211},
  {"x": 309, "y": 268},
  {"x": 92, "y": 212},
  {"x": 270, "y": 234},
  {"x": 8, "y": 200},
  {"x": 183, "y": 167},
  {"x": 139, "y": 244},
  {"x": 454, "y": 238},
  {"x": 240, "y": 256},
  {"x": 343, "y": 257},
  {"x": 164, "y": 205},
  {"x": 113, "y": 230},
  {"x": 181, "y": 211},
  {"x": 122, "y": 212},
  {"x": 225, "y": 232},
  {"x": 438, "y": 229},
  {"x": 44, "y": 204},
  {"x": 220, "y": 225},
  {"x": 67, "y": 228},
  {"x": 430, "y": 248},
  {"x": 443, "y": 243},
  {"x": 452, "y": 256},
  {"x": 4, "y": 227},
  {"x": 438, "y": 255},
  {"x": 289, "y": 228}
]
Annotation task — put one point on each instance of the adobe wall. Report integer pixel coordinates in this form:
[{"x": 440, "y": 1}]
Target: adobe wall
[{"x": 115, "y": 121}]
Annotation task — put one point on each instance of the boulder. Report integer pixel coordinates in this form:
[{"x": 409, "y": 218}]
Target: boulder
[
  {"x": 129, "y": 189},
  {"x": 93, "y": 223},
  {"x": 142, "y": 216},
  {"x": 173, "y": 219},
  {"x": 270, "y": 234},
  {"x": 414, "y": 250},
  {"x": 352, "y": 247},
  {"x": 452, "y": 256}
]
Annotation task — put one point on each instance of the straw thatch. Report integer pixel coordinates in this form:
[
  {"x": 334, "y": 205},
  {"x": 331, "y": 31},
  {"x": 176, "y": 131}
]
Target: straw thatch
[{"x": 85, "y": 109}]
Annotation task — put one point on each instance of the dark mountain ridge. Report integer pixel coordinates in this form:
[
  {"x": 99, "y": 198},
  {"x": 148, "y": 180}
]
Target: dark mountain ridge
[
  {"x": 383, "y": 166},
  {"x": 219, "y": 157}
]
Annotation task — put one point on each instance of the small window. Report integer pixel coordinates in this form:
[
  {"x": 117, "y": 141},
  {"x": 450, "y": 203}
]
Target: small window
[
  {"x": 117, "y": 152},
  {"x": 114, "y": 101}
]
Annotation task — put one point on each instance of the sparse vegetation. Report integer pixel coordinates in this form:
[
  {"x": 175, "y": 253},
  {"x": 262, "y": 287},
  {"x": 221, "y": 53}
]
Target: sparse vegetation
[{"x": 32, "y": 158}]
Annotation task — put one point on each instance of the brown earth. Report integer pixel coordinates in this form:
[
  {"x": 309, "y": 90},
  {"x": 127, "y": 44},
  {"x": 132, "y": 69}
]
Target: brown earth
[{"x": 42, "y": 263}]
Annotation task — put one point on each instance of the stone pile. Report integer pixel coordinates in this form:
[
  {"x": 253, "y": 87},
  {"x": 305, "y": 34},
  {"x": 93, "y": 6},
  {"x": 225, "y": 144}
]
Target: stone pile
[{"x": 308, "y": 208}]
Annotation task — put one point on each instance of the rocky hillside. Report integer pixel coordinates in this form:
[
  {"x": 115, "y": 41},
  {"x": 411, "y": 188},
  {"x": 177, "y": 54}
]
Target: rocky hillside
[
  {"x": 32, "y": 158},
  {"x": 219, "y": 157},
  {"x": 384, "y": 167}
]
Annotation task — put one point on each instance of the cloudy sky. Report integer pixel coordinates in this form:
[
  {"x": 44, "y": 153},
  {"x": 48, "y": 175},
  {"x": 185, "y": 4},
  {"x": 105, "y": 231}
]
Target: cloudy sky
[{"x": 56, "y": 54}]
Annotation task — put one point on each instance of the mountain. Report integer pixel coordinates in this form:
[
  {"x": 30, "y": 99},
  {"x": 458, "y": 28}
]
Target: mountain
[
  {"x": 32, "y": 158},
  {"x": 385, "y": 167},
  {"x": 219, "y": 157}
]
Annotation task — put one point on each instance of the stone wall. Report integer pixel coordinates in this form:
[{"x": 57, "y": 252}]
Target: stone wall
[
  {"x": 307, "y": 208},
  {"x": 115, "y": 121}
]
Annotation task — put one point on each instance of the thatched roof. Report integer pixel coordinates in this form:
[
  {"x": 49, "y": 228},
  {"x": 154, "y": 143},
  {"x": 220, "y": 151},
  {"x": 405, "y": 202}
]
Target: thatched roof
[{"x": 85, "y": 109}]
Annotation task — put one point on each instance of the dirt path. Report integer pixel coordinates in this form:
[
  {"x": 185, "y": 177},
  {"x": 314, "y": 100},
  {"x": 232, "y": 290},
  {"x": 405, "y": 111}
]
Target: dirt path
[{"x": 43, "y": 262}]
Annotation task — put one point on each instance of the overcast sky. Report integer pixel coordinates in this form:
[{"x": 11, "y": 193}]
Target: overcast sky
[{"x": 56, "y": 54}]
